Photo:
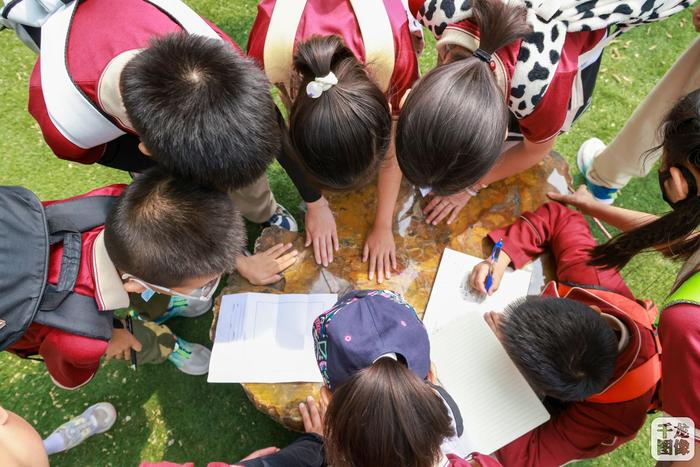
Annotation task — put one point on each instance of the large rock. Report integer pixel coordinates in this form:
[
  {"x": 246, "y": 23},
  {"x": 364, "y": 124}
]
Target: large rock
[{"x": 419, "y": 247}]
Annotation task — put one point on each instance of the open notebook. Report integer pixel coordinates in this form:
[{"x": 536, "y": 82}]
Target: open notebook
[
  {"x": 266, "y": 338},
  {"x": 496, "y": 402}
]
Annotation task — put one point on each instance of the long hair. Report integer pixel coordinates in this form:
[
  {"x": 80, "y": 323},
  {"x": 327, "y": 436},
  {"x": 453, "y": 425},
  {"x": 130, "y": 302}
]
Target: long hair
[
  {"x": 340, "y": 137},
  {"x": 672, "y": 232},
  {"x": 451, "y": 129},
  {"x": 385, "y": 416}
]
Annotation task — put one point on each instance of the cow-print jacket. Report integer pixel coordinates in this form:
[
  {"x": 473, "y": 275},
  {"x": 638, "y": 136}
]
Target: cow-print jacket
[{"x": 551, "y": 20}]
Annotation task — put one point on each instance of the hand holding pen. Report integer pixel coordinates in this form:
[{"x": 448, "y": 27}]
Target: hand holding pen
[
  {"x": 486, "y": 276},
  {"x": 495, "y": 253}
]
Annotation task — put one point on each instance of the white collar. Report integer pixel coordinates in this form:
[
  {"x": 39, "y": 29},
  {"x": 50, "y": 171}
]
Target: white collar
[
  {"x": 108, "y": 93},
  {"x": 109, "y": 288},
  {"x": 619, "y": 326}
]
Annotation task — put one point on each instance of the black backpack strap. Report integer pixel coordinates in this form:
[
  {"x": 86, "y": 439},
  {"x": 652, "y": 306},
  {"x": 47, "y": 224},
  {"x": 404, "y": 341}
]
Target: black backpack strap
[
  {"x": 456, "y": 414},
  {"x": 78, "y": 215},
  {"x": 66, "y": 221},
  {"x": 78, "y": 314}
]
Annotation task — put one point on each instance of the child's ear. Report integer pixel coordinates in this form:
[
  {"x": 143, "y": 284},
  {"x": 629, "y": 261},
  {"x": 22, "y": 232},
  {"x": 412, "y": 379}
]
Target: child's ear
[
  {"x": 3, "y": 416},
  {"x": 677, "y": 183},
  {"x": 144, "y": 149},
  {"x": 326, "y": 396},
  {"x": 133, "y": 287},
  {"x": 432, "y": 374}
]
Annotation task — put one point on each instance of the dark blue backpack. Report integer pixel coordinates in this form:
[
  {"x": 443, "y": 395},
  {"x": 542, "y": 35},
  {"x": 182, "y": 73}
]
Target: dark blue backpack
[{"x": 27, "y": 231}]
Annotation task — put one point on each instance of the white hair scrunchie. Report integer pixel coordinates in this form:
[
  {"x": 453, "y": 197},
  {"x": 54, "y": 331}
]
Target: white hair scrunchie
[{"x": 316, "y": 87}]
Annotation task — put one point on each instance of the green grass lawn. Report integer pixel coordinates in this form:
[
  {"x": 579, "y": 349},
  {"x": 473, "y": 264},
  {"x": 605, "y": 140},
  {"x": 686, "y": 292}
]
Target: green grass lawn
[{"x": 164, "y": 414}]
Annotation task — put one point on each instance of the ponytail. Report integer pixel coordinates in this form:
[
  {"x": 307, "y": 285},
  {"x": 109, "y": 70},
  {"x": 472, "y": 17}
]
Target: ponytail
[
  {"x": 452, "y": 127},
  {"x": 341, "y": 135},
  {"x": 385, "y": 416},
  {"x": 499, "y": 23},
  {"x": 673, "y": 233}
]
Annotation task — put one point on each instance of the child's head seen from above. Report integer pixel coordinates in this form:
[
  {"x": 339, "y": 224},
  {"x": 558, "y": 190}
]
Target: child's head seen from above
[
  {"x": 374, "y": 355},
  {"x": 452, "y": 127},
  {"x": 342, "y": 133},
  {"x": 172, "y": 233},
  {"x": 679, "y": 179},
  {"x": 202, "y": 110},
  {"x": 565, "y": 350}
]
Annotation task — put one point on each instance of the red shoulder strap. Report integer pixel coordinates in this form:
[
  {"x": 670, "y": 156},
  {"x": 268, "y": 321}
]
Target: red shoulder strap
[{"x": 633, "y": 384}]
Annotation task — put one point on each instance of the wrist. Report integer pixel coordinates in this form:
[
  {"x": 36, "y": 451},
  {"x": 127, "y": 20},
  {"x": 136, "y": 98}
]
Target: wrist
[
  {"x": 319, "y": 203},
  {"x": 381, "y": 225},
  {"x": 242, "y": 264},
  {"x": 503, "y": 261},
  {"x": 474, "y": 189}
]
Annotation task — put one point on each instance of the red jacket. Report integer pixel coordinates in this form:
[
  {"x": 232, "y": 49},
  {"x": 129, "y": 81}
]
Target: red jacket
[
  {"x": 73, "y": 360},
  {"x": 336, "y": 17},
  {"x": 581, "y": 429},
  {"x": 101, "y": 30}
]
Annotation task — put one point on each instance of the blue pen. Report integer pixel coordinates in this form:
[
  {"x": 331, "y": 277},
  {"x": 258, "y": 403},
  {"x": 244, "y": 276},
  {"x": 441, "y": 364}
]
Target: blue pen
[{"x": 495, "y": 252}]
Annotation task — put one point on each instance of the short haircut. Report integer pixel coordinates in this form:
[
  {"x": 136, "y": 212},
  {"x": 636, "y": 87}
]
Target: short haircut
[
  {"x": 341, "y": 136},
  {"x": 385, "y": 416},
  {"x": 203, "y": 111},
  {"x": 452, "y": 127},
  {"x": 165, "y": 231},
  {"x": 564, "y": 349}
]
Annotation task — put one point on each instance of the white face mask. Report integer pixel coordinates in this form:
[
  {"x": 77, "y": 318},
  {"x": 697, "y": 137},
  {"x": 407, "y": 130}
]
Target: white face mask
[{"x": 203, "y": 293}]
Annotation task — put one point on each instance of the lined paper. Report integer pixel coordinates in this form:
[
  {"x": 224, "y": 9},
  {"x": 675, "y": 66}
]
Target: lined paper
[{"x": 496, "y": 402}]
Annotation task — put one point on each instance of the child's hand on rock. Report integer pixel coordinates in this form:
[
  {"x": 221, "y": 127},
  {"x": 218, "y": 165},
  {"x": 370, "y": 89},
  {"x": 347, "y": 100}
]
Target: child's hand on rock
[
  {"x": 312, "y": 416},
  {"x": 321, "y": 231},
  {"x": 380, "y": 251},
  {"x": 264, "y": 268},
  {"x": 581, "y": 199},
  {"x": 440, "y": 207}
]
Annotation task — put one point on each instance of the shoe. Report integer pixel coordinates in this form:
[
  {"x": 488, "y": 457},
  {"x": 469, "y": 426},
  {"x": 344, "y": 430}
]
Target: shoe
[
  {"x": 588, "y": 151},
  {"x": 282, "y": 219},
  {"x": 96, "y": 419},
  {"x": 190, "y": 358},
  {"x": 187, "y": 308}
]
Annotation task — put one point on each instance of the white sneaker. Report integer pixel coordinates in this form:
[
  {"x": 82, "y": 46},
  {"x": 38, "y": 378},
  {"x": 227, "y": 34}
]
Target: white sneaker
[
  {"x": 96, "y": 419},
  {"x": 190, "y": 358},
  {"x": 585, "y": 156}
]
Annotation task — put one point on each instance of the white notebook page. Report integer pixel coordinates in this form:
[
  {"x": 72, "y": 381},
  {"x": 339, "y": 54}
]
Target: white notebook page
[
  {"x": 266, "y": 338},
  {"x": 496, "y": 403}
]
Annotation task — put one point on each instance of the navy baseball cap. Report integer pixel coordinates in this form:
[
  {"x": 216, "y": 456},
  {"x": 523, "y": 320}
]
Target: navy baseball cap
[{"x": 363, "y": 326}]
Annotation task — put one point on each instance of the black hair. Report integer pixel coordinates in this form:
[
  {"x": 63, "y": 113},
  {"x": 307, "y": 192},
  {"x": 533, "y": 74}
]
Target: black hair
[
  {"x": 673, "y": 232},
  {"x": 166, "y": 230},
  {"x": 341, "y": 136},
  {"x": 452, "y": 127},
  {"x": 202, "y": 109},
  {"x": 563, "y": 348}
]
